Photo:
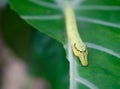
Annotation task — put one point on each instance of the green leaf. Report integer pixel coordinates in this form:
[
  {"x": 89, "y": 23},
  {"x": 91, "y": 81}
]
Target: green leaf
[
  {"x": 36, "y": 14},
  {"x": 49, "y": 61},
  {"x": 37, "y": 50},
  {"x": 17, "y": 34},
  {"x": 98, "y": 23}
]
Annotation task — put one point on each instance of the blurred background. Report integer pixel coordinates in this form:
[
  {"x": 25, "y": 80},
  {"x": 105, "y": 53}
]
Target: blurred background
[{"x": 24, "y": 54}]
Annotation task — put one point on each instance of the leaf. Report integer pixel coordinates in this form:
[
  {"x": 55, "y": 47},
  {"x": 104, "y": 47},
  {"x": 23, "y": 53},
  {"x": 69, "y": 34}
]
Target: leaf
[
  {"x": 37, "y": 50},
  {"x": 36, "y": 14},
  {"x": 98, "y": 23},
  {"x": 48, "y": 63},
  {"x": 17, "y": 34}
]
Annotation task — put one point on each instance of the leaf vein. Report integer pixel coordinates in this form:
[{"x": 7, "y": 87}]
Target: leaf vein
[{"x": 97, "y": 21}]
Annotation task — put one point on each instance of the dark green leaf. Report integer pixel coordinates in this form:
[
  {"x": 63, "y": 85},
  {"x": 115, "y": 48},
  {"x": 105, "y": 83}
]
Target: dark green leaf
[
  {"x": 44, "y": 56},
  {"x": 98, "y": 23}
]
